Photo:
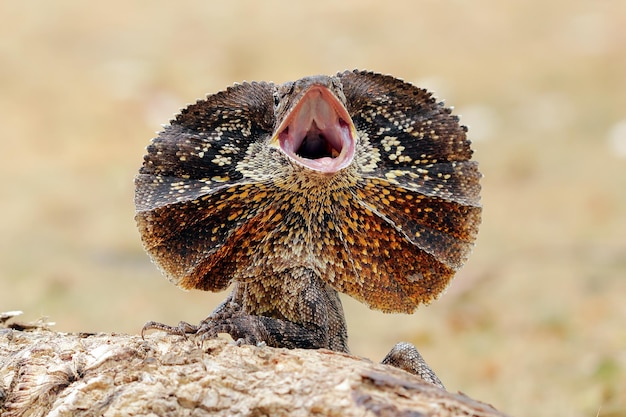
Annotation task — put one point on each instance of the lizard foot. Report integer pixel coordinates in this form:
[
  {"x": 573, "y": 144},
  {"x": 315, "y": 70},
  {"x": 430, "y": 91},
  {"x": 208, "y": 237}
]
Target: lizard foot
[
  {"x": 405, "y": 356},
  {"x": 244, "y": 329}
]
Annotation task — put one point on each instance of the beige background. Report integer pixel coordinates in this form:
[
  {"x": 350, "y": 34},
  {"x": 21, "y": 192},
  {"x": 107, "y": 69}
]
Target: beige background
[{"x": 536, "y": 321}]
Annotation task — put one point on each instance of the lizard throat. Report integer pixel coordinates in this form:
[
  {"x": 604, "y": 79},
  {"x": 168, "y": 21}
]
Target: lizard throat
[{"x": 318, "y": 133}]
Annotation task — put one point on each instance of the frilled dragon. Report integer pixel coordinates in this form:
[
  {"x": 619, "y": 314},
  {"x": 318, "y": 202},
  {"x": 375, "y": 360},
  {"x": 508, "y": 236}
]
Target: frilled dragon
[{"x": 357, "y": 183}]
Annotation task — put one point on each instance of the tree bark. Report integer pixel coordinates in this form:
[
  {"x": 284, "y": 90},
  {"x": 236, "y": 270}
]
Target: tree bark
[{"x": 60, "y": 374}]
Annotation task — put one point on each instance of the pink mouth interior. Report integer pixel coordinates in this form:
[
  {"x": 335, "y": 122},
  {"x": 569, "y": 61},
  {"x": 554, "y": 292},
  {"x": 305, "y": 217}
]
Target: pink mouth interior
[{"x": 318, "y": 132}]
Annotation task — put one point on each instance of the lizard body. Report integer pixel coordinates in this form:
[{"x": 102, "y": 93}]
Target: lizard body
[{"x": 358, "y": 183}]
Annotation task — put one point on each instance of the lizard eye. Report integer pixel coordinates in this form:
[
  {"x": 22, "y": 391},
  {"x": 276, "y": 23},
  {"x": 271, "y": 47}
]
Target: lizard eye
[{"x": 276, "y": 99}]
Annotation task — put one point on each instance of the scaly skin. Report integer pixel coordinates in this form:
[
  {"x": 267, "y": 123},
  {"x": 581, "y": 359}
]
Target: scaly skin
[{"x": 359, "y": 183}]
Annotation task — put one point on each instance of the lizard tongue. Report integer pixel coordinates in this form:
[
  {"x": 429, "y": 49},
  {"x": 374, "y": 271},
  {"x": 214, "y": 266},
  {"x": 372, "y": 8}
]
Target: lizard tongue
[{"x": 318, "y": 133}]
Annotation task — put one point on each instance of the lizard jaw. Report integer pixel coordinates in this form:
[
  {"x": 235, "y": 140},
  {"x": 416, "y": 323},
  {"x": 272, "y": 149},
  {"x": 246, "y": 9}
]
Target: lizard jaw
[{"x": 318, "y": 132}]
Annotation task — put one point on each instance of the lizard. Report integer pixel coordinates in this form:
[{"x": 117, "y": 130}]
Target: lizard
[{"x": 359, "y": 183}]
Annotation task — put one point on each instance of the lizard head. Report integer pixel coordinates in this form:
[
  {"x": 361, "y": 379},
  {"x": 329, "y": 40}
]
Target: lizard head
[{"x": 314, "y": 128}]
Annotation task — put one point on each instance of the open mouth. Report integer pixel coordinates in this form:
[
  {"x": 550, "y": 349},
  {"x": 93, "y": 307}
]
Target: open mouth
[{"x": 318, "y": 132}]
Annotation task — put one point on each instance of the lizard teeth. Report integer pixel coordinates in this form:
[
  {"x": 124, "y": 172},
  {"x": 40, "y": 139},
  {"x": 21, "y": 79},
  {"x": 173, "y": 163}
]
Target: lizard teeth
[{"x": 318, "y": 133}]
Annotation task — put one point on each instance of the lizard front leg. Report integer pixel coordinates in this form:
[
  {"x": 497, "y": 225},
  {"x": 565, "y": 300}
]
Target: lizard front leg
[
  {"x": 293, "y": 309},
  {"x": 248, "y": 329},
  {"x": 405, "y": 356}
]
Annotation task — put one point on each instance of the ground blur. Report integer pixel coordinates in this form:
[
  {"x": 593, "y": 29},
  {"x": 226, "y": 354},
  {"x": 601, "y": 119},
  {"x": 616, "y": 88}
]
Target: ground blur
[{"x": 536, "y": 321}]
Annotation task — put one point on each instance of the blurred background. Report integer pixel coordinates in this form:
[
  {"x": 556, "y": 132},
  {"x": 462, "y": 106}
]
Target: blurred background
[{"x": 536, "y": 321}]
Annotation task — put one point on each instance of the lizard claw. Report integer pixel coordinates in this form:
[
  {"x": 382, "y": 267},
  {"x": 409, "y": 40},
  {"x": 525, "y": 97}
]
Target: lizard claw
[
  {"x": 182, "y": 329},
  {"x": 206, "y": 330},
  {"x": 243, "y": 329}
]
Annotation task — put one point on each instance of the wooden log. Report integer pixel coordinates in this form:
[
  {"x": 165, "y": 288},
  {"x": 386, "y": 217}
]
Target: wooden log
[{"x": 46, "y": 373}]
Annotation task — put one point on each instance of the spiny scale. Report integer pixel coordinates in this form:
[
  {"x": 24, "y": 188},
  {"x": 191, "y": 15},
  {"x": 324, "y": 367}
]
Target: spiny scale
[{"x": 216, "y": 202}]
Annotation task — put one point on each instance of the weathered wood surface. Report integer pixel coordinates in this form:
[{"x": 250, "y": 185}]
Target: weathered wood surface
[{"x": 59, "y": 374}]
